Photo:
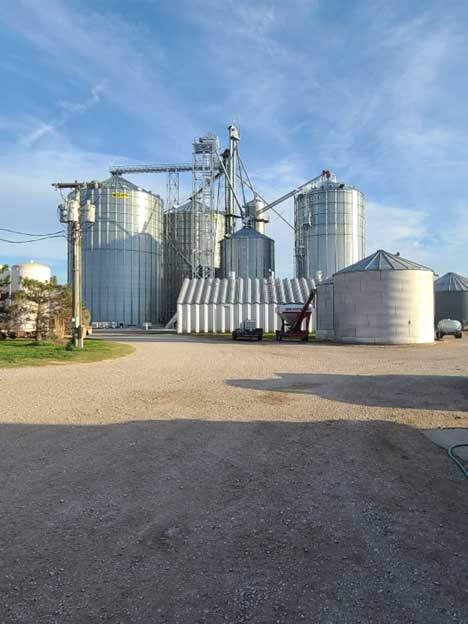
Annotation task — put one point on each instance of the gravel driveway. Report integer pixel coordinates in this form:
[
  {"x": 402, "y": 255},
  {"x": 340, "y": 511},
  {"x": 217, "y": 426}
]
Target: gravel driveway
[{"x": 211, "y": 482}]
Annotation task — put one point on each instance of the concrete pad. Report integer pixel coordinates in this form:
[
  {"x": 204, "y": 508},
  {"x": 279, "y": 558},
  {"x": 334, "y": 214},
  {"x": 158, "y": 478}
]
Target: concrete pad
[{"x": 449, "y": 437}]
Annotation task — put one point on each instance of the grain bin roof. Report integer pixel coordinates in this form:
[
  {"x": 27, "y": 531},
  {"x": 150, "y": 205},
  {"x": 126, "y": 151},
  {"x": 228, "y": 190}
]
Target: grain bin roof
[
  {"x": 245, "y": 290},
  {"x": 248, "y": 232},
  {"x": 384, "y": 261},
  {"x": 451, "y": 282},
  {"x": 122, "y": 184},
  {"x": 116, "y": 181}
]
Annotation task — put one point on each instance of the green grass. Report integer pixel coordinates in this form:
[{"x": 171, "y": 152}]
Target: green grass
[{"x": 28, "y": 353}]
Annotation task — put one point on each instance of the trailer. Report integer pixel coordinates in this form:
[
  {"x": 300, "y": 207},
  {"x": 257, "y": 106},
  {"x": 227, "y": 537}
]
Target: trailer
[{"x": 248, "y": 331}]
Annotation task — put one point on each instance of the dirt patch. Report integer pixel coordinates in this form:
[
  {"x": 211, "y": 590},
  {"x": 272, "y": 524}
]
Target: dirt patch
[{"x": 204, "y": 483}]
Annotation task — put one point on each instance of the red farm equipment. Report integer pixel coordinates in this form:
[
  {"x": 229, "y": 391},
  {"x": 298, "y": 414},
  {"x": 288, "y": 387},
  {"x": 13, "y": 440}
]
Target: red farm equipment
[{"x": 293, "y": 317}]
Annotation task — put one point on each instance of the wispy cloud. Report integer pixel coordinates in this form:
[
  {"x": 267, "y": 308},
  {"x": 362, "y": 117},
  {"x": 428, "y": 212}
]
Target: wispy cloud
[
  {"x": 103, "y": 48},
  {"x": 68, "y": 110},
  {"x": 82, "y": 107}
]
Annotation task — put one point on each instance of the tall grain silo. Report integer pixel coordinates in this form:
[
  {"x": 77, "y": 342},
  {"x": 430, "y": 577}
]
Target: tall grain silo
[
  {"x": 184, "y": 228},
  {"x": 451, "y": 298},
  {"x": 384, "y": 299},
  {"x": 123, "y": 254},
  {"x": 247, "y": 253},
  {"x": 329, "y": 227}
]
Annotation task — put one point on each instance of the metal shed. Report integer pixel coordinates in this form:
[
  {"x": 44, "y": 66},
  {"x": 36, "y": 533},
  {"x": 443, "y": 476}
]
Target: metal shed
[
  {"x": 220, "y": 305},
  {"x": 325, "y": 310}
]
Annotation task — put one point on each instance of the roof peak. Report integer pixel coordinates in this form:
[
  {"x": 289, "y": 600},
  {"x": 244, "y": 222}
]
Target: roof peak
[
  {"x": 450, "y": 282},
  {"x": 382, "y": 260},
  {"x": 248, "y": 232}
]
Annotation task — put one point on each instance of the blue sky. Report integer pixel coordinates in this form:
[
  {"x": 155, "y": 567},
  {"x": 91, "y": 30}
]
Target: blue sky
[{"x": 375, "y": 91}]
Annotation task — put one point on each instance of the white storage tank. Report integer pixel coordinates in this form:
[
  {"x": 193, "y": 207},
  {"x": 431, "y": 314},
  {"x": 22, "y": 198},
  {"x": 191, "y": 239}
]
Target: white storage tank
[
  {"x": 29, "y": 270},
  {"x": 325, "y": 310},
  {"x": 384, "y": 299}
]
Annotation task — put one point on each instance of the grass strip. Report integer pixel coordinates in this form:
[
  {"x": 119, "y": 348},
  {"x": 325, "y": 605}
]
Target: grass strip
[{"x": 20, "y": 352}]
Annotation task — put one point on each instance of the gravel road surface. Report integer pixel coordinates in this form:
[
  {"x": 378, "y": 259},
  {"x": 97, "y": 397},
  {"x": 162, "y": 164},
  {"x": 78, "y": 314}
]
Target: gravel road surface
[{"x": 206, "y": 481}]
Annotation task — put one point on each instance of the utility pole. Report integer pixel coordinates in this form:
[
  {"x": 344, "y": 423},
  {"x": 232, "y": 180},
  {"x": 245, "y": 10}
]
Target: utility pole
[{"x": 74, "y": 214}]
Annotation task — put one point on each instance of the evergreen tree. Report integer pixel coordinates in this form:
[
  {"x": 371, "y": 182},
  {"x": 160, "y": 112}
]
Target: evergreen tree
[
  {"x": 4, "y": 295},
  {"x": 45, "y": 306}
]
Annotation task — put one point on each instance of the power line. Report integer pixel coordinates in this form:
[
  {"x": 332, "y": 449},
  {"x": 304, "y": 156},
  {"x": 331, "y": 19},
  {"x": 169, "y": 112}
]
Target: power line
[
  {"x": 27, "y": 234},
  {"x": 32, "y": 240}
]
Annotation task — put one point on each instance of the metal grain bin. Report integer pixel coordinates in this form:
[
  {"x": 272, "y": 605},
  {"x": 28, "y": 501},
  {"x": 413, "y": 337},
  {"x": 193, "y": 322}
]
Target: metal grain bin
[
  {"x": 329, "y": 225},
  {"x": 451, "y": 298},
  {"x": 182, "y": 227},
  {"x": 247, "y": 253},
  {"x": 384, "y": 299},
  {"x": 122, "y": 254}
]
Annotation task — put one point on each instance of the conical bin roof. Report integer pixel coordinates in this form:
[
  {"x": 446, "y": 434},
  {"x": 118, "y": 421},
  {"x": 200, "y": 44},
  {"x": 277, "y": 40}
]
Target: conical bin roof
[
  {"x": 248, "y": 232},
  {"x": 383, "y": 261},
  {"x": 451, "y": 282}
]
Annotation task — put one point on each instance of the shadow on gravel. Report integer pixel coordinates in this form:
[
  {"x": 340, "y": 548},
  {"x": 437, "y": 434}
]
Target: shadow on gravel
[
  {"x": 194, "y": 521},
  {"x": 435, "y": 392}
]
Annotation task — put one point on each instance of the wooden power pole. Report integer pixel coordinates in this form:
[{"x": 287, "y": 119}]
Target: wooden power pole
[{"x": 74, "y": 214}]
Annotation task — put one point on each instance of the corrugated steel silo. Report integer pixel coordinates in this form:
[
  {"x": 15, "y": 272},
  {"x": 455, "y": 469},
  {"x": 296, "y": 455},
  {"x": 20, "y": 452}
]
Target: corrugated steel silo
[
  {"x": 123, "y": 254},
  {"x": 384, "y": 299},
  {"x": 182, "y": 227},
  {"x": 247, "y": 253},
  {"x": 451, "y": 298},
  {"x": 329, "y": 225}
]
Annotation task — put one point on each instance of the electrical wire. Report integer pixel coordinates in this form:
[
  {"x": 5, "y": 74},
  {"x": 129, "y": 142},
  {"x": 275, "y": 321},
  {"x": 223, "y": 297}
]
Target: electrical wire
[
  {"x": 26, "y": 233},
  {"x": 31, "y": 240},
  {"x": 456, "y": 460}
]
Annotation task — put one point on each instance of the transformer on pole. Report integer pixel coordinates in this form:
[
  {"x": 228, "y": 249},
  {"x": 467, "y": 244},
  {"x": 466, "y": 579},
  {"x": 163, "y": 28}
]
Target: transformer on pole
[{"x": 75, "y": 214}]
